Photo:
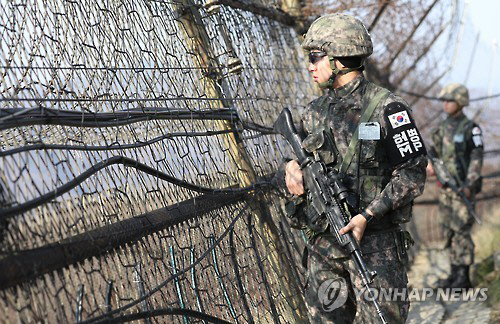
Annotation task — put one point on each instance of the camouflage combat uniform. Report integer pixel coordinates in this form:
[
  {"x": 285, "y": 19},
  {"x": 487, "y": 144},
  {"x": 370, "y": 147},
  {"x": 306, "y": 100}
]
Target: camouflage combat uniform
[
  {"x": 387, "y": 190},
  {"x": 386, "y": 177},
  {"x": 458, "y": 143}
]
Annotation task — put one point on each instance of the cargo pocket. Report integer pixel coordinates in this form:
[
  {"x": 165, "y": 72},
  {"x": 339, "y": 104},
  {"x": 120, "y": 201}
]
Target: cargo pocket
[{"x": 369, "y": 178}]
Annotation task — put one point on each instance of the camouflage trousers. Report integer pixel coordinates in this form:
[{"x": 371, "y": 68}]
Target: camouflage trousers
[
  {"x": 334, "y": 291},
  {"x": 456, "y": 224}
]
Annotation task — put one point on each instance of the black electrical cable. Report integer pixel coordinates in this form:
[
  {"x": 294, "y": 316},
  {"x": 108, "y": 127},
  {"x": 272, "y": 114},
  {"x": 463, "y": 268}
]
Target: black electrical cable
[
  {"x": 162, "y": 312},
  {"x": 145, "y": 68},
  {"x": 263, "y": 130},
  {"x": 100, "y": 99},
  {"x": 9, "y": 113},
  {"x": 12, "y": 211},
  {"x": 259, "y": 128},
  {"x": 45, "y": 116},
  {"x": 35, "y": 116},
  {"x": 113, "y": 146}
]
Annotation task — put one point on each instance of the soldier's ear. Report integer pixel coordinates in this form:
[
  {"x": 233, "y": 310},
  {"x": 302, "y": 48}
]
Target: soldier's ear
[{"x": 338, "y": 64}]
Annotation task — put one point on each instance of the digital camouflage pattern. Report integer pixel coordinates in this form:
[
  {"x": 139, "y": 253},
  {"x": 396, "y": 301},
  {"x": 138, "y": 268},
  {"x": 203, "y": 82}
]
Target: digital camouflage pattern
[
  {"x": 386, "y": 190},
  {"x": 455, "y": 92},
  {"x": 339, "y": 35},
  {"x": 381, "y": 254},
  {"x": 456, "y": 224},
  {"x": 458, "y": 143}
]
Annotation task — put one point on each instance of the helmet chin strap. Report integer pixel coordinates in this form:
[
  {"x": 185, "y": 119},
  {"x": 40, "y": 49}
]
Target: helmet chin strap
[{"x": 335, "y": 72}]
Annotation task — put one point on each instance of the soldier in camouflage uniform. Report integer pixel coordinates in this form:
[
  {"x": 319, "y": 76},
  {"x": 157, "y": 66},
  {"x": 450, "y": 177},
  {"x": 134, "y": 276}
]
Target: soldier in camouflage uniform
[
  {"x": 385, "y": 167},
  {"x": 458, "y": 143}
]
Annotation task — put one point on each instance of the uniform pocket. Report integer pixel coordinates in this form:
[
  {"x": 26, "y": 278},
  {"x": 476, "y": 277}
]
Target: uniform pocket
[{"x": 369, "y": 157}]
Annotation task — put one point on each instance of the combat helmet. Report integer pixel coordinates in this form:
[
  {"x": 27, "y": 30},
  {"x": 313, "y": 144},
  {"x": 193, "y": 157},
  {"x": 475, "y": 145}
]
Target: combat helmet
[
  {"x": 339, "y": 35},
  {"x": 455, "y": 92}
]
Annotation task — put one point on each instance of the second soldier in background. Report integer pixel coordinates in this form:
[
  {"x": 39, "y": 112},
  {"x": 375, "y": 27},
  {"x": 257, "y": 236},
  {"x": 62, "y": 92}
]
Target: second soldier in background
[{"x": 458, "y": 143}]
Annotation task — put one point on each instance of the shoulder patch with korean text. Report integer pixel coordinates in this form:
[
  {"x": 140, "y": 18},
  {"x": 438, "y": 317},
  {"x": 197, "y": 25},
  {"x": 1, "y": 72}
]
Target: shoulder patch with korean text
[
  {"x": 477, "y": 137},
  {"x": 403, "y": 140}
]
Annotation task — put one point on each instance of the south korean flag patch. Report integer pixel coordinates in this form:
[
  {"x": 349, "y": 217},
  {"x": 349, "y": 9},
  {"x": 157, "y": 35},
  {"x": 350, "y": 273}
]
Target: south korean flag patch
[
  {"x": 477, "y": 137},
  {"x": 399, "y": 119},
  {"x": 403, "y": 140}
]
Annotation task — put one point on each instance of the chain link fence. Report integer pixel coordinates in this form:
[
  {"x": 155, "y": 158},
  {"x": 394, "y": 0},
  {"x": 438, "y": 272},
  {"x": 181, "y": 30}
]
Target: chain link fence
[{"x": 137, "y": 160}]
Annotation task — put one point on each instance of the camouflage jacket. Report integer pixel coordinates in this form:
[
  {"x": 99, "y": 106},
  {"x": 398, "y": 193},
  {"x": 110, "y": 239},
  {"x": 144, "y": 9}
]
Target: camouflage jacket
[
  {"x": 458, "y": 142},
  {"x": 387, "y": 190}
]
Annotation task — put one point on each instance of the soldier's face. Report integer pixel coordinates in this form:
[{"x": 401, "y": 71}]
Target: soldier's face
[
  {"x": 451, "y": 107},
  {"x": 320, "y": 69}
]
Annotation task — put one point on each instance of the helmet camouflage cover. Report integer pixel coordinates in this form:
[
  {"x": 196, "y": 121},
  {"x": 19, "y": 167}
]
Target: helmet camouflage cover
[
  {"x": 455, "y": 92},
  {"x": 339, "y": 35}
]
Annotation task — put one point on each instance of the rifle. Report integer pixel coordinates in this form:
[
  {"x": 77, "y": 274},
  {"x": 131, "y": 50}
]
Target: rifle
[
  {"x": 329, "y": 197},
  {"x": 448, "y": 181}
]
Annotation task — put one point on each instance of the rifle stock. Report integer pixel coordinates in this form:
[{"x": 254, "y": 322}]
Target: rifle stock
[
  {"x": 328, "y": 197},
  {"x": 284, "y": 125}
]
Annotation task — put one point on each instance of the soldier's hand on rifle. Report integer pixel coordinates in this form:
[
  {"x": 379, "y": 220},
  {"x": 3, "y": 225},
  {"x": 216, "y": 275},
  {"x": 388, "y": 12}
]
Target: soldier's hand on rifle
[
  {"x": 357, "y": 225},
  {"x": 293, "y": 178}
]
